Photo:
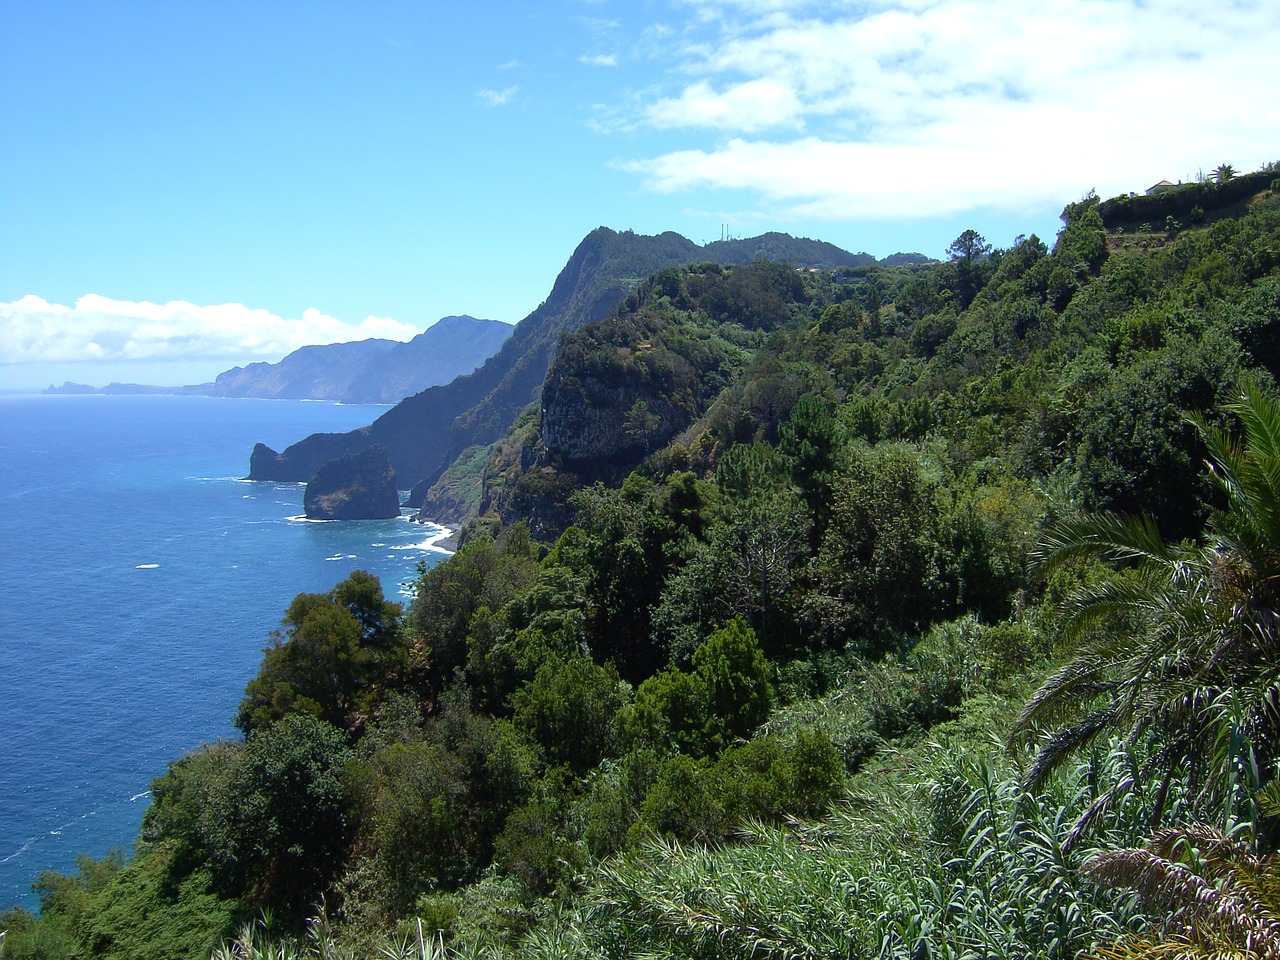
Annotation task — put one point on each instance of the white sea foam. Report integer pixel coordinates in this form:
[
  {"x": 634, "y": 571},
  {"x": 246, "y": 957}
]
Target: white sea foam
[
  {"x": 20, "y": 851},
  {"x": 432, "y": 542},
  {"x": 147, "y": 566}
]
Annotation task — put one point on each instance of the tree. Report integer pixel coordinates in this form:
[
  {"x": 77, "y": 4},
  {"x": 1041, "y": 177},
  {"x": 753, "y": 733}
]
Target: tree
[
  {"x": 809, "y": 439},
  {"x": 482, "y": 574},
  {"x": 1223, "y": 173},
  {"x": 1136, "y": 451},
  {"x": 285, "y": 814},
  {"x": 722, "y": 701},
  {"x": 746, "y": 568},
  {"x": 972, "y": 256},
  {"x": 416, "y": 802},
  {"x": 1183, "y": 645},
  {"x": 877, "y": 575},
  {"x": 379, "y": 618},
  {"x": 750, "y": 561},
  {"x": 268, "y": 817},
  {"x": 622, "y": 549},
  {"x": 735, "y": 675},
  {"x": 568, "y": 708},
  {"x": 323, "y": 663}
]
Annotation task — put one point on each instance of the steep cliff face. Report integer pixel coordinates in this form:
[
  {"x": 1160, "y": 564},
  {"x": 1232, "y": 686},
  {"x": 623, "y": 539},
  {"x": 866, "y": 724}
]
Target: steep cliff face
[
  {"x": 455, "y": 497},
  {"x": 604, "y": 267},
  {"x": 264, "y": 464},
  {"x": 361, "y": 486},
  {"x": 618, "y": 391},
  {"x": 415, "y": 432}
]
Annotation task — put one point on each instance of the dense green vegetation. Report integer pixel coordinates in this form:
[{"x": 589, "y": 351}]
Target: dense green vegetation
[{"x": 906, "y": 611}]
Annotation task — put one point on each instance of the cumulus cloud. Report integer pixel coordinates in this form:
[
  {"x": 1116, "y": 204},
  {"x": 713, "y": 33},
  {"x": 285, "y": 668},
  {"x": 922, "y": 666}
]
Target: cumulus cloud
[
  {"x": 902, "y": 107},
  {"x": 98, "y": 328},
  {"x": 744, "y": 107},
  {"x": 497, "y": 98}
]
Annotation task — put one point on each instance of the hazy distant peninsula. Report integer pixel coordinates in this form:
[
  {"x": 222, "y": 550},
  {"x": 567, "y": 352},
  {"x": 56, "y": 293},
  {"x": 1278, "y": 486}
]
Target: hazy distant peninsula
[
  {"x": 129, "y": 389},
  {"x": 362, "y": 371},
  {"x": 371, "y": 371}
]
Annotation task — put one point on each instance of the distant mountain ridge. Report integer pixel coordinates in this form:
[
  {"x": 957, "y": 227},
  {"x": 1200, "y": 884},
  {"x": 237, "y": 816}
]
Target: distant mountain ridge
[
  {"x": 371, "y": 371},
  {"x": 427, "y": 432},
  {"x": 318, "y": 372},
  {"x": 360, "y": 371}
]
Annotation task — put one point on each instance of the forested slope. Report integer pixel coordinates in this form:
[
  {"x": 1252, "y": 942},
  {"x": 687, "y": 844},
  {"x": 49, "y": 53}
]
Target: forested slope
[{"x": 808, "y": 615}]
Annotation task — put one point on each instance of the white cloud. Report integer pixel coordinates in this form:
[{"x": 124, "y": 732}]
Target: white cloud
[
  {"x": 497, "y": 98},
  {"x": 599, "y": 60},
  {"x": 744, "y": 107},
  {"x": 597, "y": 24},
  {"x": 924, "y": 107},
  {"x": 97, "y": 328}
]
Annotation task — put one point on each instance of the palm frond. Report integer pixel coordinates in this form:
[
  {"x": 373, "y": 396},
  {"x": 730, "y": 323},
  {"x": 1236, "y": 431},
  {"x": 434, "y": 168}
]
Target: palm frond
[
  {"x": 1218, "y": 907},
  {"x": 1107, "y": 536},
  {"x": 1063, "y": 743},
  {"x": 1076, "y": 683}
]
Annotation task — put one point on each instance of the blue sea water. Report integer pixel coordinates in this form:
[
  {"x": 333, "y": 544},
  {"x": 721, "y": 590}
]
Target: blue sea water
[{"x": 141, "y": 579}]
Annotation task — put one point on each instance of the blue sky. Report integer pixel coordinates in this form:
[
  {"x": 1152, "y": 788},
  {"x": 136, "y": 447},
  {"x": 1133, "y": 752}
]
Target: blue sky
[{"x": 186, "y": 186}]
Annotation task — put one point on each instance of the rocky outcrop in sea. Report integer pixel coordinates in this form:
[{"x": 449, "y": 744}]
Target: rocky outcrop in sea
[{"x": 358, "y": 486}]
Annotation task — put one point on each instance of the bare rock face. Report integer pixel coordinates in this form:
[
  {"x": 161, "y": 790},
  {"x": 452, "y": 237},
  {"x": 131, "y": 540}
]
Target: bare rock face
[{"x": 358, "y": 486}]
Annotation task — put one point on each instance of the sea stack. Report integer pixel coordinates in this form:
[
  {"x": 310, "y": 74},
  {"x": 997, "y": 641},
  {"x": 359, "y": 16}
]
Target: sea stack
[{"x": 358, "y": 486}]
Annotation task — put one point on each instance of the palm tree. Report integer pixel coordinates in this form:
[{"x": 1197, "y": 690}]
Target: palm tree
[
  {"x": 1223, "y": 173},
  {"x": 1218, "y": 897},
  {"x": 1181, "y": 647}
]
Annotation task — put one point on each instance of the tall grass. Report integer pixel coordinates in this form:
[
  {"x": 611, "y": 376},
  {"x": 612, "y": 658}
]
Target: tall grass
[{"x": 971, "y": 868}]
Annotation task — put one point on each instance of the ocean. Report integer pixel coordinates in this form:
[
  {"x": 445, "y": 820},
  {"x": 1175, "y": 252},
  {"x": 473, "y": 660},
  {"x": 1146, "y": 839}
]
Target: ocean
[{"x": 141, "y": 580}]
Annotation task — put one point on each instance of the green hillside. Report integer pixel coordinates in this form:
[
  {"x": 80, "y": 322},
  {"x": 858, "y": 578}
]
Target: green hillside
[{"x": 902, "y": 611}]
